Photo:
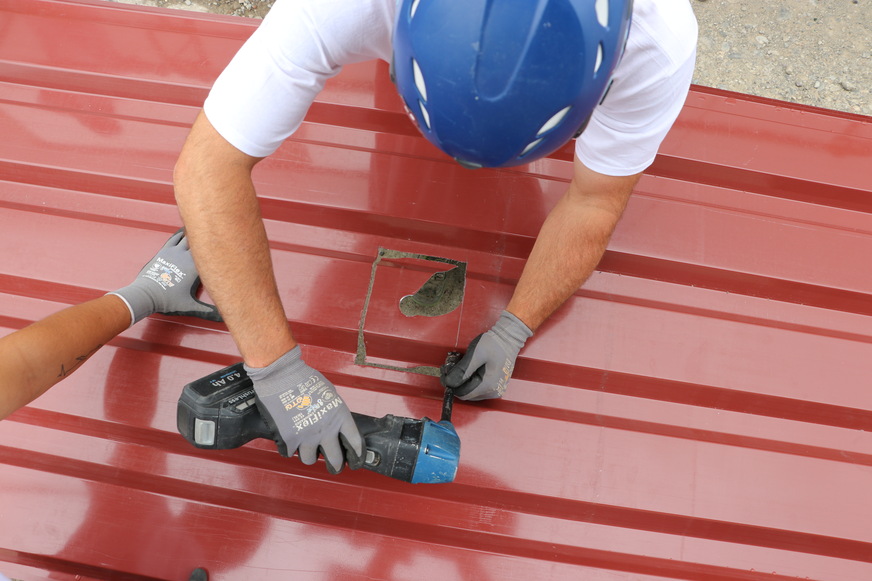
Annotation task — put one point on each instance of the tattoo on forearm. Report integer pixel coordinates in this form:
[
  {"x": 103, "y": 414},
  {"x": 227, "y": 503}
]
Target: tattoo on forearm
[{"x": 78, "y": 362}]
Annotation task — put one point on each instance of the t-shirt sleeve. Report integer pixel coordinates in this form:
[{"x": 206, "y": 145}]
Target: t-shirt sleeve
[
  {"x": 262, "y": 96},
  {"x": 649, "y": 88}
]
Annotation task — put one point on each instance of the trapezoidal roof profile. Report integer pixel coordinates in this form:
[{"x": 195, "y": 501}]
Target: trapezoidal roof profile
[{"x": 700, "y": 410}]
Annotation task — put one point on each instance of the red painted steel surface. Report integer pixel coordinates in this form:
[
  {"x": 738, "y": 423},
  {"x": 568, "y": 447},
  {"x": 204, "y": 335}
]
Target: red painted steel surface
[{"x": 700, "y": 410}]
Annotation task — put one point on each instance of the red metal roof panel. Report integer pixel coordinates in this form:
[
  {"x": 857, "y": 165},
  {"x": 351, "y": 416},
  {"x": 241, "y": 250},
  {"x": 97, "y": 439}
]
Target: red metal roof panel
[{"x": 697, "y": 411}]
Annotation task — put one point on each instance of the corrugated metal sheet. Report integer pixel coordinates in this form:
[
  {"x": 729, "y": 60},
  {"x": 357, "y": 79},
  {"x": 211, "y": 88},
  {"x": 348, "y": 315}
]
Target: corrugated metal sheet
[{"x": 701, "y": 410}]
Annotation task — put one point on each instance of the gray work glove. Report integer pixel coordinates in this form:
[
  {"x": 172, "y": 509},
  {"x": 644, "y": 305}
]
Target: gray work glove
[
  {"x": 167, "y": 285},
  {"x": 303, "y": 410},
  {"x": 485, "y": 369}
]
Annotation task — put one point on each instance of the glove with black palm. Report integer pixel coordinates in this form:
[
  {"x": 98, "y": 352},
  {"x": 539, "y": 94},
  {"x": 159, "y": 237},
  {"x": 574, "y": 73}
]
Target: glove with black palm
[
  {"x": 485, "y": 369},
  {"x": 167, "y": 285}
]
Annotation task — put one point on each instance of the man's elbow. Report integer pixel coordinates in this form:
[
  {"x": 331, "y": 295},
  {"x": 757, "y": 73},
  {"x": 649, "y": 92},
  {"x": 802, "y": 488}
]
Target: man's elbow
[
  {"x": 208, "y": 160},
  {"x": 190, "y": 175}
]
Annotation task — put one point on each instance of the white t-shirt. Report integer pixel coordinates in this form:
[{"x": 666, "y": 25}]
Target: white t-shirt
[{"x": 260, "y": 99}]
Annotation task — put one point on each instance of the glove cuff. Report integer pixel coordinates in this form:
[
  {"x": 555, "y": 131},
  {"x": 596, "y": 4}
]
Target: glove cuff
[
  {"x": 288, "y": 364},
  {"x": 512, "y": 329},
  {"x": 138, "y": 302}
]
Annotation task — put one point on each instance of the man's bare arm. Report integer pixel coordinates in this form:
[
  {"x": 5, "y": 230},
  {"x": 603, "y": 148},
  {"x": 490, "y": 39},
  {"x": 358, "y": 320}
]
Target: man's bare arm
[
  {"x": 222, "y": 218},
  {"x": 570, "y": 244},
  {"x": 219, "y": 207}
]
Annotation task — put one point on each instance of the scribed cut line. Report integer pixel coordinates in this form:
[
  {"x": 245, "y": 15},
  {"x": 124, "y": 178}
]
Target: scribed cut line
[{"x": 360, "y": 356}]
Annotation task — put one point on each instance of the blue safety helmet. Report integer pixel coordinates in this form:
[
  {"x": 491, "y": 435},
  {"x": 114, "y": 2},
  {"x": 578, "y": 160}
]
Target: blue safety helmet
[{"x": 496, "y": 83}]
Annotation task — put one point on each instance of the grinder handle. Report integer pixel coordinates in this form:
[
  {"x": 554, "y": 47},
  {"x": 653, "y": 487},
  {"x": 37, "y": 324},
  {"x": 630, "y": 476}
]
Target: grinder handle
[{"x": 219, "y": 412}]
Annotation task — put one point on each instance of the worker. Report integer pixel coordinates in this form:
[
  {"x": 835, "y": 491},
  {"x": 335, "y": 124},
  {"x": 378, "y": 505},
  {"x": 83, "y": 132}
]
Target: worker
[
  {"x": 492, "y": 83},
  {"x": 45, "y": 352}
]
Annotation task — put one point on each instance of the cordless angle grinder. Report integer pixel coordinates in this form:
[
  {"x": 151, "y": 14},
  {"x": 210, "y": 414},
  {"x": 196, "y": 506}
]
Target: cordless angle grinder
[{"x": 219, "y": 412}]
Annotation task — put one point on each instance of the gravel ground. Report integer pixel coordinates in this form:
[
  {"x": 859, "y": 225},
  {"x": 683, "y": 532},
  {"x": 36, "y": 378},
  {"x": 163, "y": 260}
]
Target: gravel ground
[{"x": 814, "y": 52}]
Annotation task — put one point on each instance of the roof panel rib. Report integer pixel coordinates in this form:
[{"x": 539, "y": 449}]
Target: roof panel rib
[{"x": 698, "y": 411}]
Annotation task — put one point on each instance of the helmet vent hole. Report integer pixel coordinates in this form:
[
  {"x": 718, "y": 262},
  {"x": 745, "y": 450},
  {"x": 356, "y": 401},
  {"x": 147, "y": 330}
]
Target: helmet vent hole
[
  {"x": 599, "y": 58},
  {"x": 602, "y": 12},
  {"x": 554, "y": 121},
  {"x": 530, "y": 147},
  {"x": 425, "y": 116},
  {"x": 413, "y": 8},
  {"x": 419, "y": 80}
]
